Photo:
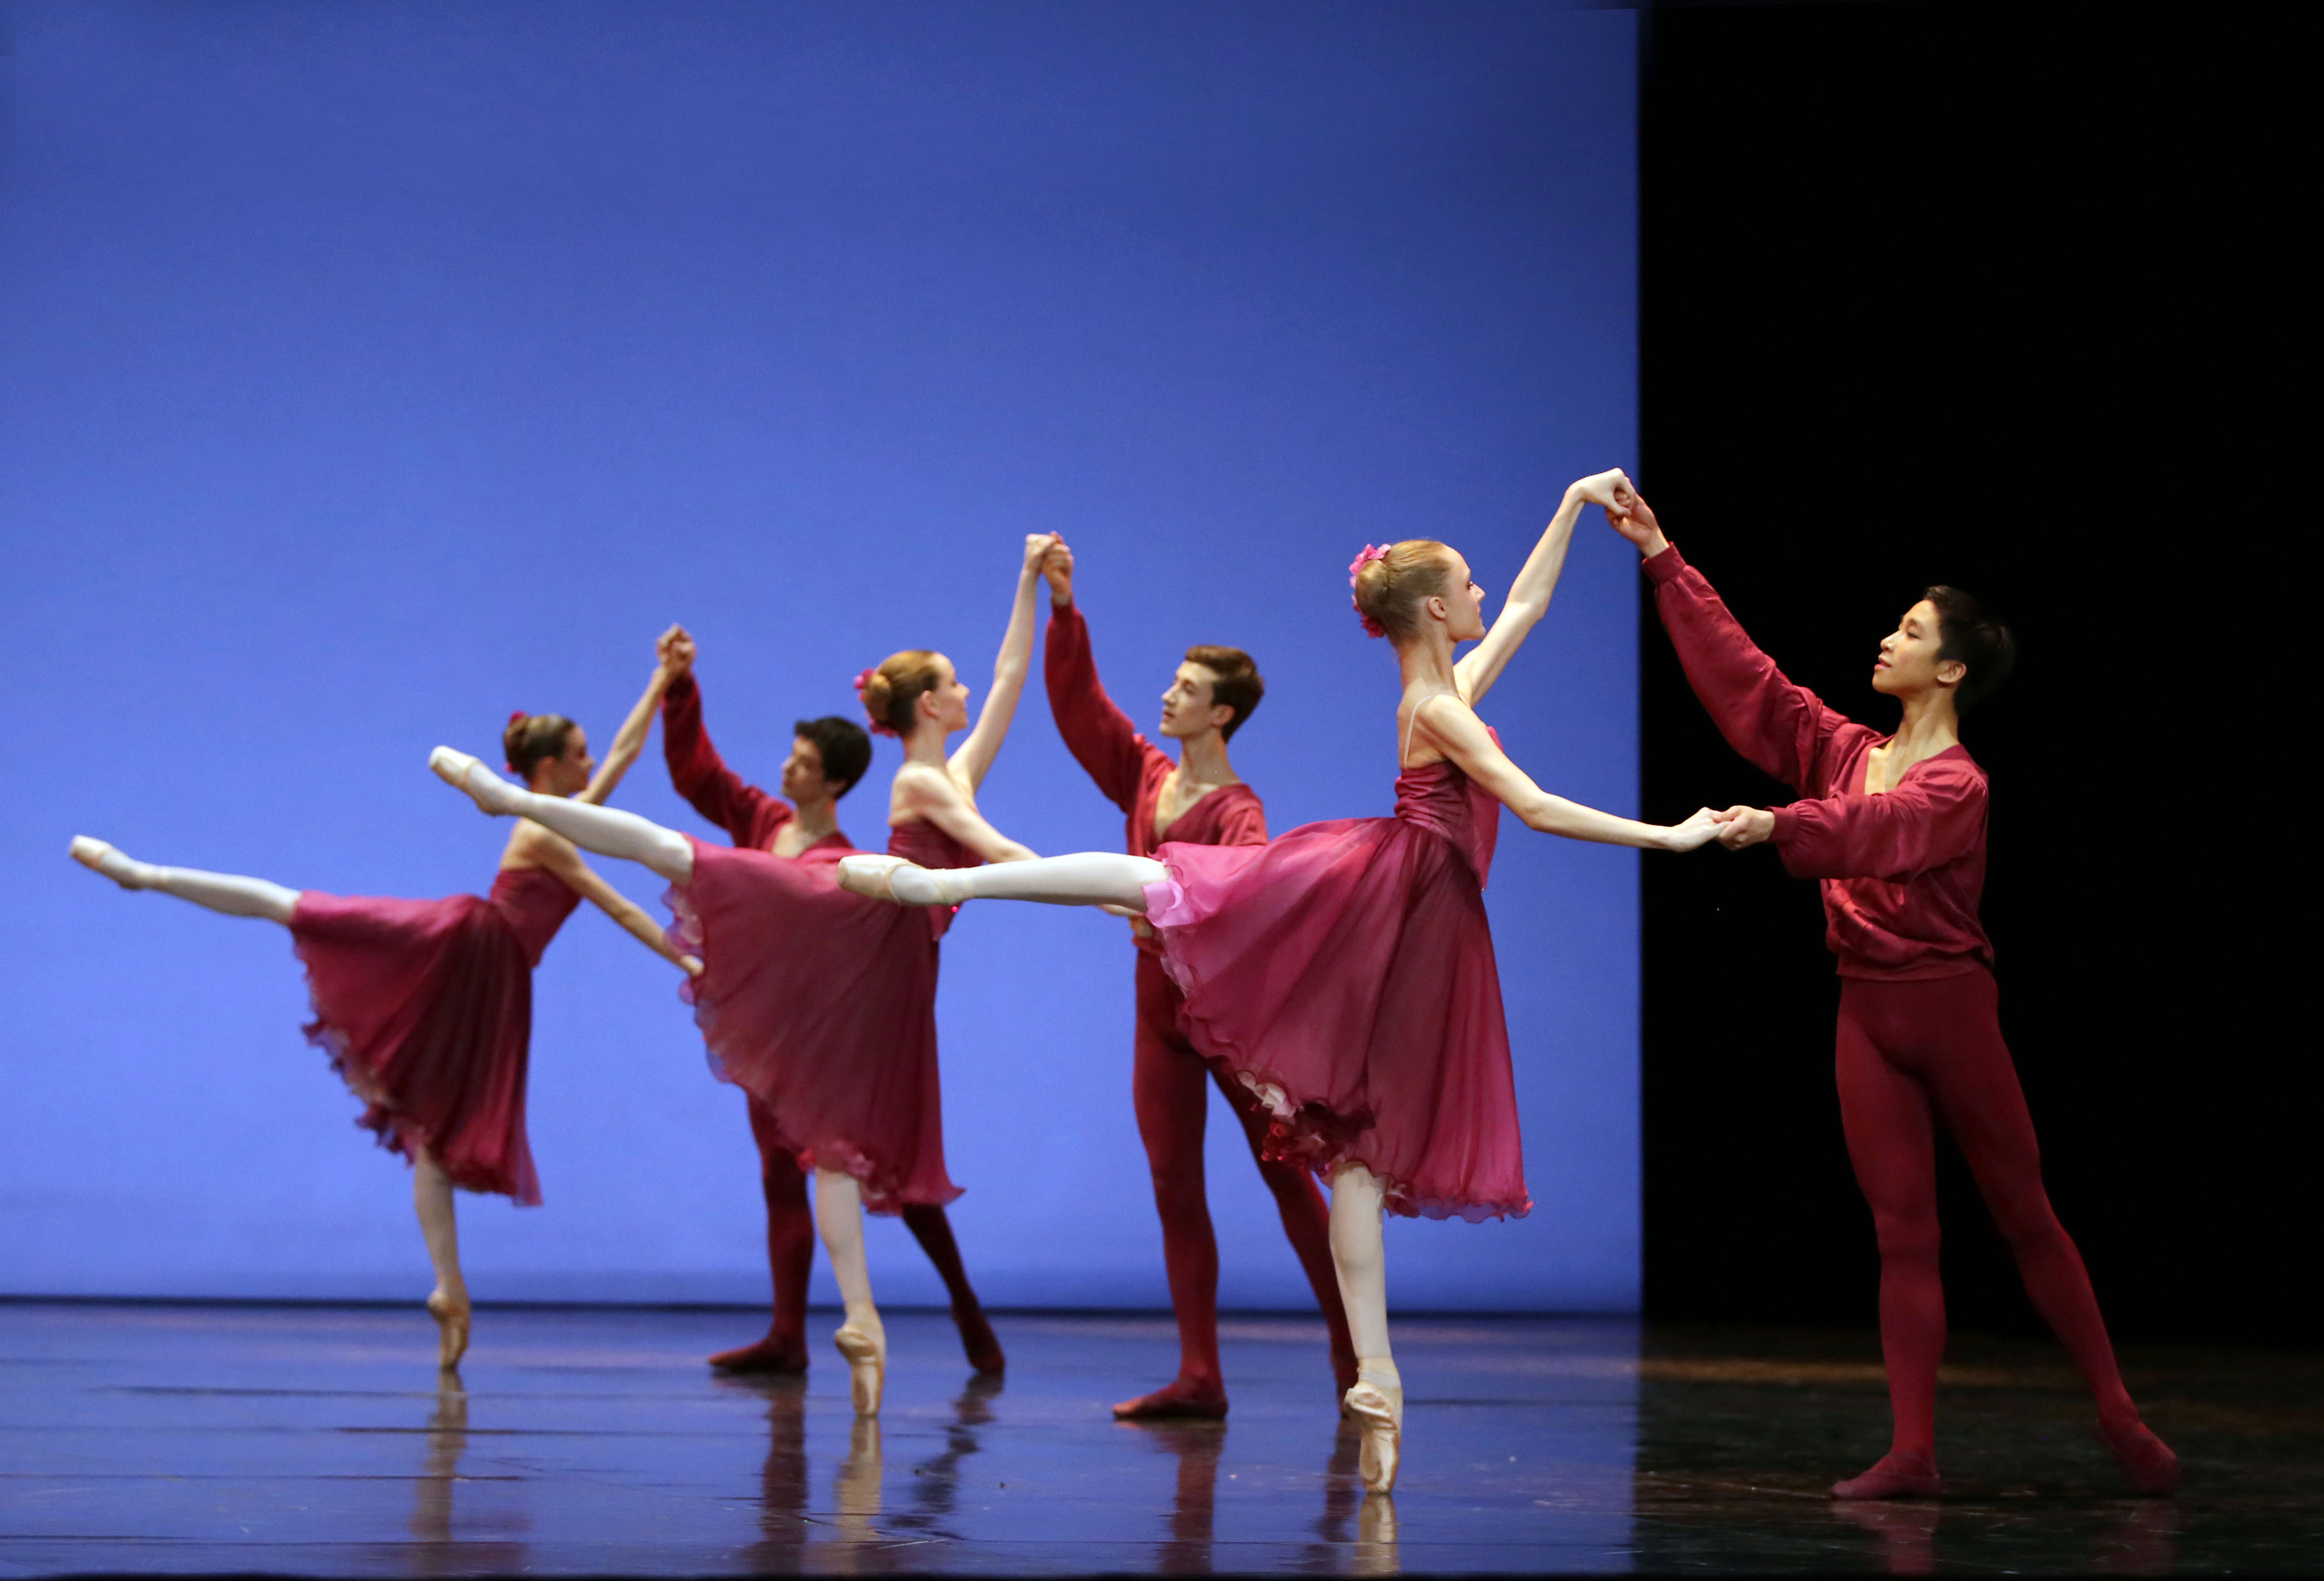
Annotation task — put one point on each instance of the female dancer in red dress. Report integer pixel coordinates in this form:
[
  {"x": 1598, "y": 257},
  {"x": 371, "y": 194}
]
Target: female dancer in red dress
[
  {"x": 1344, "y": 972},
  {"x": 828, "y": 756},
  {"x": 1895, "y": 826},
  {"x": 1197, "y": 801},
  {"x": 819, "y": 1004},
  {"x": 426, "y": 1006}
]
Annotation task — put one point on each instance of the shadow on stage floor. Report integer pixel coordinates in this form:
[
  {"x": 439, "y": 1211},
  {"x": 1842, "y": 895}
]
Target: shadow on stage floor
[{"x": 318, "y": 1441}]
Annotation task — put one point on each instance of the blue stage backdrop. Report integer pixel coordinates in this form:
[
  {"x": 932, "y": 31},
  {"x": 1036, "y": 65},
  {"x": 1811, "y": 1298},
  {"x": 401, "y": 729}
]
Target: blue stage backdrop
[{"x": 373, "y": 370}]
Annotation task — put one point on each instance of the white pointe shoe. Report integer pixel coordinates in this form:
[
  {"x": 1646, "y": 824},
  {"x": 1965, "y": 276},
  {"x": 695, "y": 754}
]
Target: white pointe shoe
[
  {"x": 868, "y": 875},
  {"x": 105, "y": 859},
  {"x": 867, "y": 1366},
  {"x": 1376, "y": 1405},
  {"x": 460, "y": 771}
]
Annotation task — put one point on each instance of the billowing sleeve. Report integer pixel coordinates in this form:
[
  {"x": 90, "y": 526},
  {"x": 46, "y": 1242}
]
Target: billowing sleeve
[
  {"x": 700, "y": 775},
  {"x": 1100, "y": 735},
  {"x": 1245, "y": 823},
  {"x": 1784, "y": 729},
  {"x": 1935, "y": 815}
]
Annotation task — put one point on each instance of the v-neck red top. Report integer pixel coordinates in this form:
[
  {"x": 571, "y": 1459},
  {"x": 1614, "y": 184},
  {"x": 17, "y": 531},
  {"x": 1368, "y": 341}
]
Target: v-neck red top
[
  {"x": 1901, "y": 872},
  {"x": 751, "y": 817},
  {"x": 1129, "y": 768}
]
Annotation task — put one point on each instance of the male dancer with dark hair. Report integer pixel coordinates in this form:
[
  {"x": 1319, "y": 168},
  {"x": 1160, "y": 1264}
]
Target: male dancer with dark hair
[
  {"x": 1197, "y": 801},
  {"x": 1895, "y": 829},
  {"x": 827, "y": 757}
]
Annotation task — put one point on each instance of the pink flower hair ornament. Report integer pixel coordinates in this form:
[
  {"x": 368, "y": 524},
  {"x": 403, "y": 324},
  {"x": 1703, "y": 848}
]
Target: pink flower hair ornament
[
  {"x": 879, "y": 726},
  {"x": 1371, "y": 551}
]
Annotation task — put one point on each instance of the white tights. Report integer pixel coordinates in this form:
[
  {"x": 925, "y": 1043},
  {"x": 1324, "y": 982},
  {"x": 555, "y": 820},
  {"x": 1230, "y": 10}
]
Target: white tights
[
  {"x": 1086, "y": 878},
  {"x": 220, "y": 892},
  {"x": 839, "y": 1220},
  {"x": 440, "y": 1224}
]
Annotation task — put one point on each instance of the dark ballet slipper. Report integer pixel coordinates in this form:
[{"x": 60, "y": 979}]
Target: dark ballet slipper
[
  {"x": 2148, "y": 1462},
  {"x": 777, "y": 1353},
  {"x": 978, "y": 1340},
  {"x": 1182, "y": 1398},
  {"x": 1894, "y": 1477}
]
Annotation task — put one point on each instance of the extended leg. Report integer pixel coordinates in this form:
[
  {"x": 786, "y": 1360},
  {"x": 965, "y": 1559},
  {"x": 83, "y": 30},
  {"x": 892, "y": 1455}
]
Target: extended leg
[
  {"x": 1166, "y": 1088},
  {"x": 1306, "y": 1224},
  {"x": 607, "y": 831},
  {"x": 791, "y": 1256},
  {"x": 1976, "y": 1086},
  {"x": 862, "y": 1339},
  {"x": 1360, "y": 1260},
  {"x": 933, "y": 1230},
  {"x": 1892, "y": 1144},
  {"x": 431, "y": 1194},
  {"x": 1087, "y": 878},
  {"x": 220, "y": 892}
]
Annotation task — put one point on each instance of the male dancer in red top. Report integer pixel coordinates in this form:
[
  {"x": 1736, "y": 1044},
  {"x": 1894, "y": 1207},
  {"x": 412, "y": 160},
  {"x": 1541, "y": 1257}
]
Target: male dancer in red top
[
  {"x": 1894, "y": 827},
  {"x": 1197, "y": 801},
  {"x": 828, "y": 756}
]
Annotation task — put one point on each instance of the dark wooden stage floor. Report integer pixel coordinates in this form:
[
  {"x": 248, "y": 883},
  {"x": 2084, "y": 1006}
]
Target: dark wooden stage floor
[{"x": 318, "y": 1441}]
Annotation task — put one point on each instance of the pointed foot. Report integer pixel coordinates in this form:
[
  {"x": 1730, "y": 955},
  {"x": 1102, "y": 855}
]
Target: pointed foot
[
  {"x": 2148, "y": 1462},
  {"x": 1381, "y": 1419},
  {"x": 1183, "y": 1398},
  {"x": 867, "y": 875},
  {"x": 1894, "y": 1477},
  {"x": 867, "y": 1366},
  {"x": 107, "y": 860},
  {"x": 977, "y": 1340},
  {"x": 778, "y": 1353},
  {"x": 451, "y": 1313},
  {"x": 487, "y": 789}
]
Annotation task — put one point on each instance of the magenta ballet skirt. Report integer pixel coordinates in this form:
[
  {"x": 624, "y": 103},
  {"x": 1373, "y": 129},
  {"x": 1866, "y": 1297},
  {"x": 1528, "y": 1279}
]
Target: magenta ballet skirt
[
  {"x": 425, "y": 1008},
  {"x": 822, "y": 1006},
  {"x": 1345, "y": 973}
]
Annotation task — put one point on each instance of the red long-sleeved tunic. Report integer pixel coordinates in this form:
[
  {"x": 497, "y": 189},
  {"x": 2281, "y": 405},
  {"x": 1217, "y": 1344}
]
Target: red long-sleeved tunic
[
  {"x": 750, "y": 816},
  {"x": 1901, "y": 872},
  {"x": 1129, "y": 768}
]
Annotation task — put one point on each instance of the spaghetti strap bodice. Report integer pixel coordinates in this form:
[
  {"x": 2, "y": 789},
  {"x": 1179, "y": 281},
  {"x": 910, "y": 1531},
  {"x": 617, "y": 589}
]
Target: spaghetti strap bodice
[
  {"x": 535, "y": 903},
  {"x": 930, "y": 846},
  {"x": 1442, "y": 798}
]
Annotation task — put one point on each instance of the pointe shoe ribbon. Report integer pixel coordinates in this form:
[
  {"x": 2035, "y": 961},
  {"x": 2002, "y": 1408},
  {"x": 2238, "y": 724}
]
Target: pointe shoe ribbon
[
  {"x": 868, "y": 876},
  {"x": 867, "y": 1367}
]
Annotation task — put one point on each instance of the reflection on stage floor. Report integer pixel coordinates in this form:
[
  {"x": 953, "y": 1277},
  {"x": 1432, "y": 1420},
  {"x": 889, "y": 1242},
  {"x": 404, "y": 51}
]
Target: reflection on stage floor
[{"x": 321, "y": 1441}]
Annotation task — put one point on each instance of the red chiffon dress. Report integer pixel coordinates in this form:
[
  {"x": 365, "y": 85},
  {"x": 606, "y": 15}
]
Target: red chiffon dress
[
  {"x": 1344, "y": 972},
  {"x": 822, "y": 1004},
  {"x": 425, "y": 1008}
]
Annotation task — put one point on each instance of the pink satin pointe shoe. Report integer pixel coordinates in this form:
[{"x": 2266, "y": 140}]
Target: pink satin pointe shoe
[
  {"x": 107, "y": 860},
  {"x": 867, "y": 1366},
  {"x": 908, "y": 884},
  {"x": 867, "y": 875},
  {"x": 1376, "y": 1405},
  {"x": 451, "y": 1329}
]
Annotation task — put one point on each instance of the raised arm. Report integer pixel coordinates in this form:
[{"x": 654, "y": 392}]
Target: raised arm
[
  {"x": 1529, "y": 595},
  {"x": 931, "y": 793},
  {"x": 1099, "y": 735},
  {"x": 1785, "y": 730},
  {"x": 697, "y": 772},
  {"x": 975, "y": 756},
  {"x": 557, "y": 854},
  {"x": 1457, "y": 733},
  {"x": 630, "y": 739}
]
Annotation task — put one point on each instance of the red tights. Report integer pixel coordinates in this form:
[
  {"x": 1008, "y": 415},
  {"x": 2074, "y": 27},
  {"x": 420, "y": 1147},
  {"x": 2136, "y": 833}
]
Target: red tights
[
  {"x": 1910, "y": 1054},
  {"x": 790, "y": 1249},
  {"x": 1168, "y": 1081}
]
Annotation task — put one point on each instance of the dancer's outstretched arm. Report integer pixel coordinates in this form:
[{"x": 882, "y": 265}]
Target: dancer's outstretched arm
[
  {"x": 974, "y": 758},
  {"x": 537, "y": 847},
  {"x": 1529, "y": 595},
  {"x": 1455, "y": 731},
  {"x": 630, "y": 740},
  {"x": 934, "y": 794},
  {"x": 606, "y": 830}
]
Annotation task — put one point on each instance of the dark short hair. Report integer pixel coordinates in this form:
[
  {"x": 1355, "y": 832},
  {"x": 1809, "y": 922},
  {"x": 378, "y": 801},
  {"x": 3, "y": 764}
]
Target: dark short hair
[
  {"x": 530, "y": 739},
  {"x": 1236, "y": 682},
  {"x": 845, "y": 746},
  {"x": 1970, "y": 633}
]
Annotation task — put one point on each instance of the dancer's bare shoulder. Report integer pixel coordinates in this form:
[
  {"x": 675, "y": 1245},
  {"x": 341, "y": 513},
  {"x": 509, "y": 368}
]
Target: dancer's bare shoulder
[{"x": 531, "y": 846}]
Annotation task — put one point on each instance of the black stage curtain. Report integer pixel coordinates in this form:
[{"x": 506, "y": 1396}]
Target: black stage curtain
[{"x": 1993, "y": 297}]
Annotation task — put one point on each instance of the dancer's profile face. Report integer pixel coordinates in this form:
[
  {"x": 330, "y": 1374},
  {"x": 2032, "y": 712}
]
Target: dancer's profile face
[
  {"x": 568, "y": 773},
  {"x": 1464, "y": 603},
  {"x": 803, "y": 778},
  {"x": 1190, "y": 706},
  {"x": 951, "y": 696},
  {"x": 1908, "y": 663}
]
